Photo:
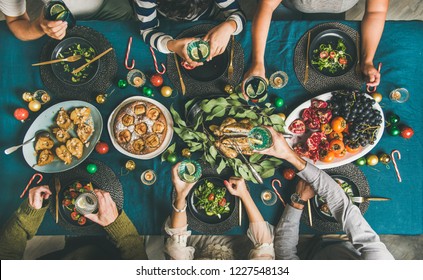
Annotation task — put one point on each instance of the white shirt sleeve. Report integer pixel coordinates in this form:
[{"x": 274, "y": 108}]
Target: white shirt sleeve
[{"x": 13, "y": 8}]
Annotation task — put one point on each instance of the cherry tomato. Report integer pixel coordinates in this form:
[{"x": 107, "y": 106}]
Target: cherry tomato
[
  {"x": 337, "y": 146},
  {"x": 332, "y": 54},
  {"x": 66, "y": 202},
  {"x": 211, "y": 197},
  {"x": 82, "y": 220},
  {"x": 289, "y": 173},
  {"x": 338, "y": 124},
  {"x": 341, "y": 154},
  {"x": 156, "y": 80},
  {"x": 351, "y": 149},
  {"x": 73, "y": 194},
  {"x": 342, "y": 60},
  {"x": 326, "y": 128},
  {"x": 407, "y": 132},
  {"x": 326, "y": 156},
  {"x": 102, "y": 148},
  {"x": 78, "y": 185},
  {"x": 75, "y": 216},
  {"x": 222, "y": 202},
  {"x": 323, "y": 54},
  {"x": 335, "y": 135}
]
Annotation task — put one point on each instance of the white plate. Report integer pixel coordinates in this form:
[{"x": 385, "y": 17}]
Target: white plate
[
  {"x": 46, "y": 121},
  {"x": 337, "y": 161},
  {"x": 169, "y": 123}
]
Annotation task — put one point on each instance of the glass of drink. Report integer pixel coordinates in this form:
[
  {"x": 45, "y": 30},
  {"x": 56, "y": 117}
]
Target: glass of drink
[
  {"x": 255, "y": 88},
  {"x": 86, "y": 203},
  {"x": 278, "y": 80},
  {"x": 268, "y": 197},
  {"x": 148, "y": 177},
  {"x": 136, "y": 78},
  {"x": 189, "y": 171},
  {"x": 198, "y": 50},
  {"x": 260, "y": 138},
  {"x": 399, "y": 95},
  {"x": 57, "y": 10}
]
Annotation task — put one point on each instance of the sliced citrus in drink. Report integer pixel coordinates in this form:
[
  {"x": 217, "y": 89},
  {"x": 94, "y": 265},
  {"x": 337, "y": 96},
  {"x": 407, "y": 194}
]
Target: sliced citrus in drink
[
  {"x": 261, "y": 88},
  {"x": 188, "y": 178},
  {"x": 194, "y": 54},
  {"x": 190, "y": 168},
  {"x": 56, "y": 9},
  {"x": 204, "y": 50},
  {"x": 250, "y": 91}
]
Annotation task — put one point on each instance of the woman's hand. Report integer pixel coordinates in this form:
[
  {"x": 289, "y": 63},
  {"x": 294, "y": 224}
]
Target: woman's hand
[
  {"x": 371, "y": 74},
  {"x": 37, "y": 196},
  {"x": 236, "y": 186},
  {"x": 219, "y": 37},
  {"x": 180, "y": 47},
  {"x": 280, "y": 147},
  {"x": 107, "y": 210},
  {"x": 182, "y": 188}
]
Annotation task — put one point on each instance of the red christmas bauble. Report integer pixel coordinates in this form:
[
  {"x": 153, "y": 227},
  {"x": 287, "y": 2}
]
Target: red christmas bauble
[
  {"x": 21, "y": 114},
  {"x": 289, "y": 173},
  {"x": 407, "y": 132},
  {"x": 102, "y": 148},
  {"x": 156, "y": 80}
]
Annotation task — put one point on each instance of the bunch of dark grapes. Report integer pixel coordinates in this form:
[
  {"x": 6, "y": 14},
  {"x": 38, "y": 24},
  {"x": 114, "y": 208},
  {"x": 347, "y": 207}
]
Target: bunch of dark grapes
[{"x": 357, "y": 110}]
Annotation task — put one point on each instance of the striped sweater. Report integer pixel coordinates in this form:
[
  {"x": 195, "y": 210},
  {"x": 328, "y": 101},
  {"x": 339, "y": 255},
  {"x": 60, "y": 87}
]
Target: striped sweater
[{"x": 146, "y": 11}]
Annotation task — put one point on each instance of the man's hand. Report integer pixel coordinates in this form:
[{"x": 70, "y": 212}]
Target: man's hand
[
  {"x": 180, "y": 47},
  {"x": 37, "y": 196},
  {"x": 54, "y": 29},
  {"x": 219, "y": 37},
  {"x": 107, "y": 210},
  {"x": 182, "y": 188},
  {"x": 305, "y": 190}
]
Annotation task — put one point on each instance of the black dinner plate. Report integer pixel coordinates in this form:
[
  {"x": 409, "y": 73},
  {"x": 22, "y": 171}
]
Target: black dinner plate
[
  {"x": 66, "y": 77},
  {"x": 317, "y": 203},
  {"x": 200, "y": 214},
  {"x": 65, "y": 212},
  {"x": 331, "y": 36}
]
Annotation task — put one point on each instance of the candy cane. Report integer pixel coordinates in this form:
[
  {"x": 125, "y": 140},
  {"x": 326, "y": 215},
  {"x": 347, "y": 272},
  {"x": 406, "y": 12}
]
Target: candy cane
[
  {"x": 395, "y": 163},
  {"x": 30, "y": 182},
  {"x": 128, "y": 50},
  {"x": 276, "y": 191},
  {"x": 155, "y": 63}
]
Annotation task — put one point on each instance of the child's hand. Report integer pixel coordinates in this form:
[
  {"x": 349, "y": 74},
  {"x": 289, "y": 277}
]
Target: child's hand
[
  {"x": 179, "y": 47},
  {"x": 219, "y": 37}
]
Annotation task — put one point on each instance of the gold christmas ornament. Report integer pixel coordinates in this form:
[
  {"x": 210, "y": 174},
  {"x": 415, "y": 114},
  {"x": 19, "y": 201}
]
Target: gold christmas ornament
[
  {"x": 34, "y": 105},
  {"x": 27, "y": 96},
  {"x": 101, "y": 98},
  {"x": 186, "y": 153},
  {"x": 229, "y": 89}
]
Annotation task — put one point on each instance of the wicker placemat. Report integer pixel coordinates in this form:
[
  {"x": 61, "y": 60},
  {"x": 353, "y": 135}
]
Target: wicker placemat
[
  {"x": 104, "y": 179},
  {"x": 317, "y": 82},
  {"x": 101, "y": 81},
  {"x": 196, "y": 88},
  {"x": 353, "y": 173}
]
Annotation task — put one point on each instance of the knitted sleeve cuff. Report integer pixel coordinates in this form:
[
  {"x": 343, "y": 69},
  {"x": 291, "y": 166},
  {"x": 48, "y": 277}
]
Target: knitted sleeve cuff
[{"x": 122, "y": 226}]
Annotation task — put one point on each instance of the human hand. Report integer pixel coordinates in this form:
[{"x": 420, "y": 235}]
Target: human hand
[
  {"x": 107, "y": 210},
  {"x": 219, "y": 37},
  {"x": 236, "y": 186},
  {"x": 37, "y": 196},
  {"x": 256, "y": 69},
  {"x": 54, "y": 29},
  {"x": 371, "y": 74},
  {"x": 182, "y": 188},
  {"x": 280, "y": 147},
  {"x": 179, "y": 47},
  {"x": 305, "y": 190}
]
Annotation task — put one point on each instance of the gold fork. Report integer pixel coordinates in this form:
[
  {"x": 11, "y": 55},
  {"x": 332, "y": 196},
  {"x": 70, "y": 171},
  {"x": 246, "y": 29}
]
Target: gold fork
[
  {"x": 357, "y": 65},
  {"x": 231, "y": 67},
  {"x": 72, "y": 58}
]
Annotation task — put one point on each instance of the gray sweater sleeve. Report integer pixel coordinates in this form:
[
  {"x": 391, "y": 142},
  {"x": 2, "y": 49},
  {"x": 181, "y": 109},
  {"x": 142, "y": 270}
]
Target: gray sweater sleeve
[
  {"x": 287, "y": 234},
  {"x": 359, "y": 232}
]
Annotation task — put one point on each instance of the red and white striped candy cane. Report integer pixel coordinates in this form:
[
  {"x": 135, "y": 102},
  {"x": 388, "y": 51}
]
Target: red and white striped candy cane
[
  {"x": 30, "y": 182},
  {"x": 395, "y": 163}
]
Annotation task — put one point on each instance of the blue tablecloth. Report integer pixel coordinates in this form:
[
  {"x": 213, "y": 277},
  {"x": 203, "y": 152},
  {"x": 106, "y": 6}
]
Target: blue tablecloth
[{"x": 400, "y": 51}]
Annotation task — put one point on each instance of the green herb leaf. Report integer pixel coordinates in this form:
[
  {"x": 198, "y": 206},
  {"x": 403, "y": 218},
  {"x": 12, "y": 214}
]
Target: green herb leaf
[
  {"x": 255, "y": 157},
  {"x": 221, "y": 166}
]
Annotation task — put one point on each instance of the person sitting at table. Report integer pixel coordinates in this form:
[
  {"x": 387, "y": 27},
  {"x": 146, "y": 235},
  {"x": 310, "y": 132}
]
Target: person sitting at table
[
  {"x": 371, "y": 30},
  {"x": 25, "y": 222},
  {"x": 363, "y": 242},
  {"x": 27, "y": 29},
  {"x": 149, "y": 12},
  {"x": 180, "y": 245}
]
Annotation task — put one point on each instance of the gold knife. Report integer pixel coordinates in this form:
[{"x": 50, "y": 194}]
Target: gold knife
[
  {"x": 57, "y": 186},
  {"x": 79, "y": 69},
  {"x": 308, "y": 48},
  {"x": 310, "y": 218},
  {"x": 240, "y": 212},
  {"x": 180, "y": 75},
  {"x": 231, "y": 67}
]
